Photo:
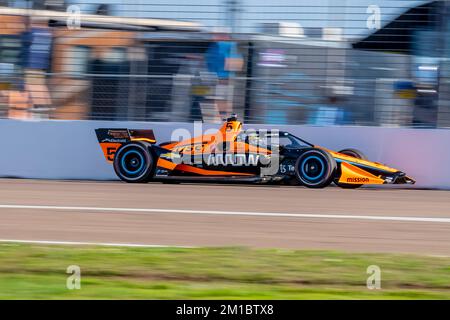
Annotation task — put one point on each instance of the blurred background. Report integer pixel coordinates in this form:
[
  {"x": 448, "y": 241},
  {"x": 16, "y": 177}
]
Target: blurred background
[{"x": 346, "y": 62}]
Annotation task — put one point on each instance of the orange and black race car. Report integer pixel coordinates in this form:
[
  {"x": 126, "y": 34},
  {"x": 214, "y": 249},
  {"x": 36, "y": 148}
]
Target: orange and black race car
[{"x": 235, "y": 155}]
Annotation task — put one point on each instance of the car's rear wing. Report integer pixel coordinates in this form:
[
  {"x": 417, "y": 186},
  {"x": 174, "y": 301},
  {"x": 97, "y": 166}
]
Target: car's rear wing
[{"x": 110, "y": 139}]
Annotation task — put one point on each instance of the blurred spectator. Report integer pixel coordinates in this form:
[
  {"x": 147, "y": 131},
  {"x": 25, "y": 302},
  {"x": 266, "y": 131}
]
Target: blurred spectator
[
  {"x": 19, "y": 104},
  {"x": 425, "y": 109},
  {"x": 38, "y": 92},
  {"x": 330, "y": 113},
  {"x": 224, "y": 60},
  {"x": 188, "y": 82}
]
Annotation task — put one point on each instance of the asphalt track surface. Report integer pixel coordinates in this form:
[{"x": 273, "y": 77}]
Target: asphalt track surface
[{"x": 363, "y": 220}]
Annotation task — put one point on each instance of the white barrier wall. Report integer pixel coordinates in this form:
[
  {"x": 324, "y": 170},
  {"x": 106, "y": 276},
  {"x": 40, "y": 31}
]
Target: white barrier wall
[{"x": 69, "y": 149}]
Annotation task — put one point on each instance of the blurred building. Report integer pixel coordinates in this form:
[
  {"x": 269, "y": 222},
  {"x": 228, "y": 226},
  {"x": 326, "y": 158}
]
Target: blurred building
[
  {"x": 395, "y": 76},
  {"x": 421, "y": 35},
  {"x": 91, "y": 71},
  {"x": 295, "y": 72}
]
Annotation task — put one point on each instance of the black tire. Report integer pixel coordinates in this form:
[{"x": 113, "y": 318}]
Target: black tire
[
  {"x": 134, "y": 162},
  {"x": 315, "y": 168},
  {"x": 352, "y": 153}
]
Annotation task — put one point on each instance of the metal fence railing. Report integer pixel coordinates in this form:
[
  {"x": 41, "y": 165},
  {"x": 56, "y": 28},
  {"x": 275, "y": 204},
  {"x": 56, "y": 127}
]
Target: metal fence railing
[
  {"x": 343, "y": 63},
  {"x": 184, "y": 97}
]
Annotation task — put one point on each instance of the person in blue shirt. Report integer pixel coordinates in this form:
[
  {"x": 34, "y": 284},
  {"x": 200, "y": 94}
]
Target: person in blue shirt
[{"x": 223, "y": 60}]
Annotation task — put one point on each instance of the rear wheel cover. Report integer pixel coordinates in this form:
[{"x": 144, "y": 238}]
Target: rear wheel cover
[
  {"x": 134, "y": 162},
  {"x": 315, "y": 168}
]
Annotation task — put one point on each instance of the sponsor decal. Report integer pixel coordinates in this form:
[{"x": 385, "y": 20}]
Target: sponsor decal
[
  {"x": 287, "y": 168},
  {"x": 197, "y": 147},
  {"x": 118, "y": 134},
  {"x": 169, "y": 155},
  {"x": 109, "y": 140},
  {"x": 358, "y": 180},
  {"x": 110, "y": 153},
  {"x": 161, "y": 172},
  {"x": 233, "y": 159}
]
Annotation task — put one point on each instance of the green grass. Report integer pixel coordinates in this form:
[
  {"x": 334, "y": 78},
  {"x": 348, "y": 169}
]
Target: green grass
[{"x": 39, "y": 272}]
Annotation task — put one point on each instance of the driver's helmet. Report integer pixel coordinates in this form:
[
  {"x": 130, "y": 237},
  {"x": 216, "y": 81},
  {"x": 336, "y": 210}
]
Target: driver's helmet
[{"x": 232, "y": 117}]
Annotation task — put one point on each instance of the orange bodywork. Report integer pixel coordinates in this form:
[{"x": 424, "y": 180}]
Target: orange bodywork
[
  {"x": 166, "y": 164},
  {"x": 143, "y": 139},
  {"x": 109, "y": 150},
  {"x": 206, "y": 144},
  {"x": 344, "y": 157},
  {"x": 204, "y": 172},
  {"x": 351, "y": 174}
]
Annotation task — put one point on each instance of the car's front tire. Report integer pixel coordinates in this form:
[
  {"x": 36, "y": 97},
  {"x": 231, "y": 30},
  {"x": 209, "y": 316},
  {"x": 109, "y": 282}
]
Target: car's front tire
[
  {"x": 134, "y": 162},
  {"x": 315, "y": 168}
]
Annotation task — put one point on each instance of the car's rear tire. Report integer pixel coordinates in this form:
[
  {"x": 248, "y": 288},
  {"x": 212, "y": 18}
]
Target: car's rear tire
[
  {"x": 315, "y": 168},
  {"x": 352, "y": 153},
  {"x": 134, "y": 162}
]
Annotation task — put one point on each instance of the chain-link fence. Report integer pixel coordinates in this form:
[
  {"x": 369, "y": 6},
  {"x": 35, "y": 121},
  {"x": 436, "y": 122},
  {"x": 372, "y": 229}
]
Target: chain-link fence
[{"x": 343, "y": 62}]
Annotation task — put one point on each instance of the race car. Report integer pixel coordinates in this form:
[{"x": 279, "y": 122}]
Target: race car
[{"x": 236, "y": 155}]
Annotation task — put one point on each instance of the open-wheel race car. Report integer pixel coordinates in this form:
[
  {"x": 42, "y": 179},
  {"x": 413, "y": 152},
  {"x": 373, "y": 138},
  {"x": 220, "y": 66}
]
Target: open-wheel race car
[{"x": 234, "y": 155}]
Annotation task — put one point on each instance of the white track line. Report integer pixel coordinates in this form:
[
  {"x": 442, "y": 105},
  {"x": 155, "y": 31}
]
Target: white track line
[
  {"x": 78, "y": 243},
  {"x": 233, "y": 213}
]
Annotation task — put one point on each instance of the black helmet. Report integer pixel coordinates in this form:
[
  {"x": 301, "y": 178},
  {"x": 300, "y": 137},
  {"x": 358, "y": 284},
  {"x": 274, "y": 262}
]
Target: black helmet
[{"x": 233, "y": 117}]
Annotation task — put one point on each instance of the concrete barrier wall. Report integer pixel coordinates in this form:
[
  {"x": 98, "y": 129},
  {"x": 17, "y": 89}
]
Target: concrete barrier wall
[{"x": 69, "y": 149}]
